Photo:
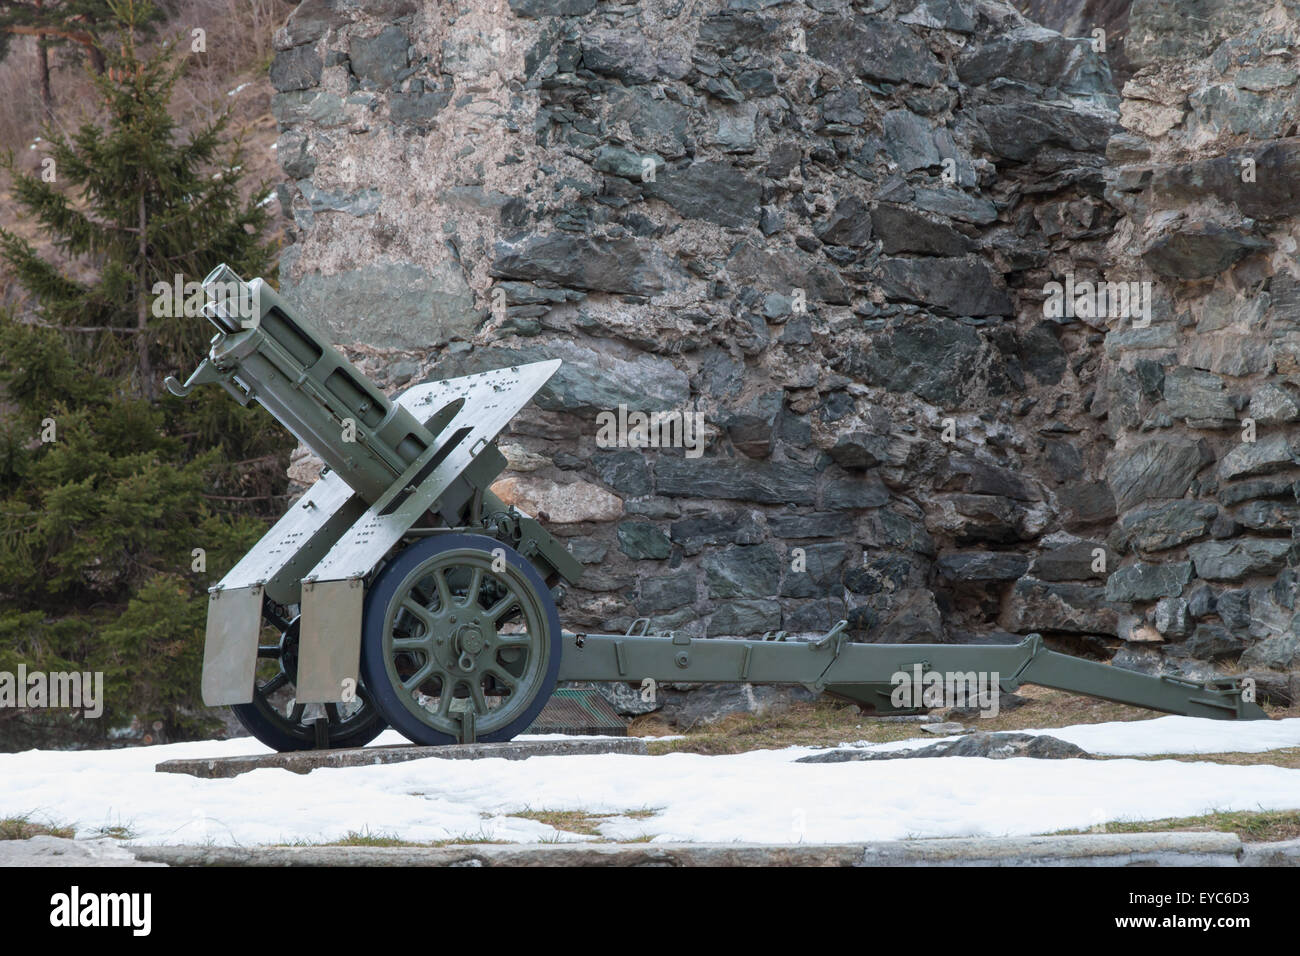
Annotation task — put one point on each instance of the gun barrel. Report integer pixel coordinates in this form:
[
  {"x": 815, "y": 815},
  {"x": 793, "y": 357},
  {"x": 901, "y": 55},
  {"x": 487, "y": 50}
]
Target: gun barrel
[{"x": 264, "y": 353}]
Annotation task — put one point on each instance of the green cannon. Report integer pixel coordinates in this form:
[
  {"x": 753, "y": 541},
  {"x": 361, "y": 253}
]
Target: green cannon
[{"x": 403, "y": 592}]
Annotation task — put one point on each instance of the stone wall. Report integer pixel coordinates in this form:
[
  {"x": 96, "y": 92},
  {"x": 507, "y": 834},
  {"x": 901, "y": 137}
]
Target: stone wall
[
  {"x": 1204, "y": 402},
  {"x": 830, "y": 228}
]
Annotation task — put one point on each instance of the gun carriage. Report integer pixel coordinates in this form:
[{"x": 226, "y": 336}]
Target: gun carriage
[{"x": 403, "y": 592}]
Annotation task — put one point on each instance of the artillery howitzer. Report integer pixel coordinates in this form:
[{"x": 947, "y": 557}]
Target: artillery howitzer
[{"x": 405, "y": 592}]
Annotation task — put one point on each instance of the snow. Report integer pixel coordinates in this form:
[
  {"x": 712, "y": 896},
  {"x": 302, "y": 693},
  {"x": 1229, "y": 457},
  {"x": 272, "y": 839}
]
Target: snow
[
  {"x": 239, "y": 89},
  {"x": 761, "y": 796},
  {"x": 1161, "y": 735}
]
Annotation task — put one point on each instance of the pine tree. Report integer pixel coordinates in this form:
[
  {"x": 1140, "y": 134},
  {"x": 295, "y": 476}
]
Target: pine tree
[{"x": 107, "y": 484}]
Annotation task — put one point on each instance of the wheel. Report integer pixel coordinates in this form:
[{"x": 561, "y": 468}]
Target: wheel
[
  {"x": 457, "y": 629},
  {"x": 277, "y": 719}
]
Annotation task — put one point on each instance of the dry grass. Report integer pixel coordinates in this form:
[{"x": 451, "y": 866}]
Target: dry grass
[
  {"x": 1252, "y": 827},
  {"x": 1286, "y": 757},
  {"x": 568, "y": 821},
  {"x": 24, "y": 828},
  {"x": 828, "y": 723}
]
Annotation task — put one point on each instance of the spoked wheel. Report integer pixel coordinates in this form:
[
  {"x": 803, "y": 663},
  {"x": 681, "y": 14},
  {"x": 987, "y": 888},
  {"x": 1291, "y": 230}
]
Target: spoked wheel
[
  {"x": 277, "y": 719},
  {"x": 460, "y": 639}
]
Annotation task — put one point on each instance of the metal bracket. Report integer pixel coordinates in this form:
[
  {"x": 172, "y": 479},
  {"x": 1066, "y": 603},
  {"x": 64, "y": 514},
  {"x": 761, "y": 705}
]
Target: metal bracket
[{"x": 467, "y": 734}]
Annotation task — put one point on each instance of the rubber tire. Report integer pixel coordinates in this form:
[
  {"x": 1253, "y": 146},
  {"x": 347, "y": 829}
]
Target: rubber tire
[
  {"x": 270, "y": 733},
  {"x": 375, "y": 674},
  {"x": 264, "y": 727}
]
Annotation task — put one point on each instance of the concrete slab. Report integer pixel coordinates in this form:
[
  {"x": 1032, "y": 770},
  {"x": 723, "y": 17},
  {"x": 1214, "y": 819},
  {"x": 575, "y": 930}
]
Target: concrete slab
[
  {"x": 1088, "y": 849},
  {"x": 1151, "y": 849},
  {"x": 58, "y": 851},
  {"x": 305, "y": 761},
  {"x": 1180, "y": 849}
]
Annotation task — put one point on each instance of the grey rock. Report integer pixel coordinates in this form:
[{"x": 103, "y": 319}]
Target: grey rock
[
  {"x": 849, "y": 225},
  {"x": 417, "y": 109},
  {"x": 708, "y": 703},
  {"x": 710, "y": 530},
  {"x": 1086, "y": 502},
  {"x": 380, "y": 58},
  {"x": 624, "y": 471},
  {"x": 1019, "y": 131},
  {"x": 860, "y": 449},
  {"x": 1045, "y": 58},
  {"x": 955, "y": 204},
  {"x": 1200, "y": 249},
  {"x": 1157, "y": 468},
  {"x": 821, "y": 571},
  {"x": 1194, "y": 394},
  {"x": 312, "y": 19},
  {"x": 643, "y": 540},
  {"x": 783, "y": 270},
  {"x": 655, "y": 125},
  {"x": 1275, "y": 193},
  {"x": 1148, "y": 660},
  {"x": 401, "y": 304},
  {"x": 1058, "y": 606},
  {"x": 293, "y": 155},
  {"x": 875, "y": 48},
  {"x": 737, "y": 479},
  {"x": 1233, "y": 560},
  {"x": 982, "y": 566},
  {"x": 1163, "y": 526},
  {"x": 587, "y": 262},
  {"x": 753, "y": 430},
  {"x": 1168, "y": 29},
  {"x": 955, "y": 15},
  {"x": 363, "y": 202},
  {"x": 1255, "y": 488},
  {"x": 1271, "y": 404},
  {"x": 910, "y": 140},
  {"x": 742, "y": 617},
  {"x": 902, "y": 229},
  {"x": 536, "y": 9},
  {"x": 714, "y": 191},
  {"x": 665, "y": 591},
  {"x": 952, "y": 285},
  {"x": 1213, "y": 643},
  {"x": 627, "y": 163},
  {"x": 628, "y": 700},
  {"x": 587, "y": 382},
  {"x": 626, "y": 56},
  {"x": 742, "y": 571},
  {"x": 882, "y": 574},
  {"x": 1146, "y": 582},
  {"x": 1279, "y": 652},
  {"x": 1172, "y": 617},
  {"x": 1269, "y": 516},
  {"x": 865, "y": 491},
  {"x": 818, "y": 524},
  {"x": 1077, "y": 561},
  {"x": 299, "y": 107},
  {"x": 296, "y": 69},
  {"x": 940, "y": 360},
  {"x": 1258, "y": 458},
  {"x": 994, "y": 746}
]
